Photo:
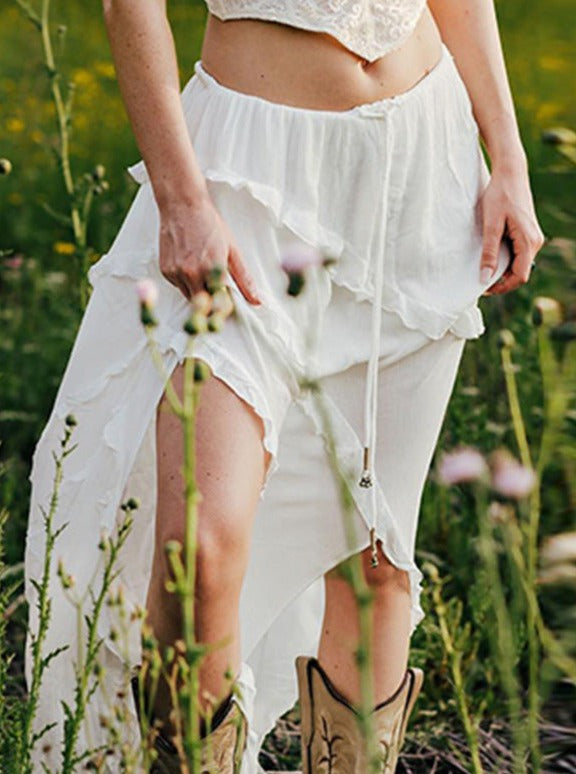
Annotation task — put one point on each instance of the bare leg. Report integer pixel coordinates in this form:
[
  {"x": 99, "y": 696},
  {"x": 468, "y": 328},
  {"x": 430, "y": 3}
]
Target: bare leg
[
  {"x": 230, "y": 467},
  {"x": 390, "y": 626}
]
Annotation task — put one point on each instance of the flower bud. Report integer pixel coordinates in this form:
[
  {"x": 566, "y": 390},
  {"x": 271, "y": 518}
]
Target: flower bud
[
  {"x": 222, "y": 302},
  {"x": 546, "y": 311},
  {"x": 5, "y": 166},
  {"x": 215, "y": 322},
  {"x": 195, "y": 324},
  {"x": 98, "y": 172},
  {"x": 147, "y": 292},
  {"x": 559, "y": 135},
  {"x": 202, "y": 302},
  {"x": 506, "y": 339},
  {"x": 201, "y": 370},
  {"x": 213, "y": 280}
]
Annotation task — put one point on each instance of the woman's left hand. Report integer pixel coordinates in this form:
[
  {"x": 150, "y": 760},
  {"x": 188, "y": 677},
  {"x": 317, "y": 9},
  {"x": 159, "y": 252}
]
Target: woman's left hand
[{"x": 508, "y": 209}]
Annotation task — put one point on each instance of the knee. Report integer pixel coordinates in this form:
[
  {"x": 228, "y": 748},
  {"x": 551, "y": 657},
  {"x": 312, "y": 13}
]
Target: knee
[
  {"x": 385, "y": 578},
  {"x": 222, "y": 549}
]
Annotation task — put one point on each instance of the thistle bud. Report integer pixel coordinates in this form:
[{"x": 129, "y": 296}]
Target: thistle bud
[
  {"x": 195, "y": 324},
  {"x": 215, "y": 322},
  {"x": 546, "y": 311},
  {"x": 202, "y": 302},
  {"x": 506, "y": 339},
  {"x": 213, "y": 279},
  {"x": 147, "y": 292},
  {"x": 222, "y": 302},
  {"x": 201, "y": 370}
]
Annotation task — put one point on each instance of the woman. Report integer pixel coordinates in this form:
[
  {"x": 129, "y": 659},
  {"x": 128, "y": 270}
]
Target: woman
[{"x": 351, "y": 128}]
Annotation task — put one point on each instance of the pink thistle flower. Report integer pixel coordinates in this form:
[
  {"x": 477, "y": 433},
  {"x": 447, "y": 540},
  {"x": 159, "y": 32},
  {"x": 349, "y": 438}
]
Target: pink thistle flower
[
  {"x": 509, "y": 477},
  {"x": 298, "y": 256},
  {"x": 147, "y": 292},
  {"x": 463, "y": 464},
  {"x": 14, "y": 262}
]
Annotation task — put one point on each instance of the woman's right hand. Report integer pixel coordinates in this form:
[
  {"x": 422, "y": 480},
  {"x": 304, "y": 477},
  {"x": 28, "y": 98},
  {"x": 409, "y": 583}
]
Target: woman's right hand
[{"x": 193, "y": 239}]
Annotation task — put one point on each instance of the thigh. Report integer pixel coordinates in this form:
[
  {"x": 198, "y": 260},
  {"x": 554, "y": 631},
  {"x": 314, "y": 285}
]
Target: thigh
[{"x": 230, "y": 462}]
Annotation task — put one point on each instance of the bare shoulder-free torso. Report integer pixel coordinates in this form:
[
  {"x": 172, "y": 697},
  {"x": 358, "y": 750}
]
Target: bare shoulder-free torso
[{"x": 311, "y": 69}]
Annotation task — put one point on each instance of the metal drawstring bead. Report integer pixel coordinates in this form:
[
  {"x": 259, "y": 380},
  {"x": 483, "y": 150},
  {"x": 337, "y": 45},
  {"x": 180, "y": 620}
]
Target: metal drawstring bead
[
  {"x": 366, "y": 479},
  {"x": 374, "y": 560}
]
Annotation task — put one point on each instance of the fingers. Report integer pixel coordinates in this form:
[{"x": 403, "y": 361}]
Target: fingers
[
  {"x": 493, "y": 229},
  {"x": 525, "y": 245},
  {"x": 242, "y": 277}
]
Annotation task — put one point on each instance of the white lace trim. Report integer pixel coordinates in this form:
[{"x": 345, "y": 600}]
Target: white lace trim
[{"x": 369, "y": 28}]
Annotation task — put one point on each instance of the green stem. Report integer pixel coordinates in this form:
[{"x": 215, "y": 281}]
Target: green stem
[{"x": 454, "y": 658}]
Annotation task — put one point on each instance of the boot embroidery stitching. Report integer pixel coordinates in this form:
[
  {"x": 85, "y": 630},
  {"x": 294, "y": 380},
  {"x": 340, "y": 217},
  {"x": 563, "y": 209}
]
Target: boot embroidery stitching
[{"x": 330, "y": 756}]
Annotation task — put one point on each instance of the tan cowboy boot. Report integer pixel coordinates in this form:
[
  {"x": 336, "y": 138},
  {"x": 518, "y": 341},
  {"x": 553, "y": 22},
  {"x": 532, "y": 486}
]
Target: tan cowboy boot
[
  {"x": 331, "y": 741},
  {"x": 227, "y": 740}
]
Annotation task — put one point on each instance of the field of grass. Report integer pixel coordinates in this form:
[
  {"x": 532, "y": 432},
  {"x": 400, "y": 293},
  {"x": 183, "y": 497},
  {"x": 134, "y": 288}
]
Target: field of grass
[{"x": 465, "y": 705}]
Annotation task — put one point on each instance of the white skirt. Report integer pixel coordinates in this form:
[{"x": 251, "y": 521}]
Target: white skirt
[{"x": 390, "y": 190}]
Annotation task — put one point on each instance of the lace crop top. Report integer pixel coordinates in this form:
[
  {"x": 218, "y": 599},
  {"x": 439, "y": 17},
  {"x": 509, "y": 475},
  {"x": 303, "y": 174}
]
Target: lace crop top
[{"x": 369, "y": 28}]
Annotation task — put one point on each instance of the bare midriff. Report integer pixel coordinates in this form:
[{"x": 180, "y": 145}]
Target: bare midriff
[{"x": 313, "y": 70}]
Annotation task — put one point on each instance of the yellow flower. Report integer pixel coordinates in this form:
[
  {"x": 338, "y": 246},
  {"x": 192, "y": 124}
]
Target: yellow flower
[
  {"x": 82, "y": 77},
  {"x": 105, "y": 69},
  {"x": 14, "y": 124},
  {"x": 64, "y": 248}
]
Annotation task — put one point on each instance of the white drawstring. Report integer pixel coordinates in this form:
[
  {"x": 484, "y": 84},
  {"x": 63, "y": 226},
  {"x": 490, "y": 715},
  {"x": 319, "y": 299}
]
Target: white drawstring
[{"x": 371, "y": 392}]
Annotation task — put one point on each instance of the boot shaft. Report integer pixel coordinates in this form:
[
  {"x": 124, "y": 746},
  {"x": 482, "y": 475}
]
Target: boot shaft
[{"x": 331, "y": 739}]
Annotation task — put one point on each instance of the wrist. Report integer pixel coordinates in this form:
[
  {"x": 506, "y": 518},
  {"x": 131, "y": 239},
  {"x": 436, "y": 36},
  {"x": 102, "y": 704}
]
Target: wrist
[
  {"x": 171, "y": 196},
  {"x": 504, "y": 146}
]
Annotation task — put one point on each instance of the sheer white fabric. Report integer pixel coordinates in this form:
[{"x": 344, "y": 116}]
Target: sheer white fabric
[{"x": 369, "y": 28}]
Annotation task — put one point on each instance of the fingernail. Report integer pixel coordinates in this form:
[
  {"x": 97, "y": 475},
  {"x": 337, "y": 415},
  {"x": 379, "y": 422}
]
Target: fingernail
[{"x": 485, "y": 273}]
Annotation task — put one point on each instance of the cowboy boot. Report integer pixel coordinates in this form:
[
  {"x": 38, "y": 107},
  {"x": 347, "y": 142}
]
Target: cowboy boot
[
  {"x": 226, "y": 740},
  {"x": 331, "y": 740}
]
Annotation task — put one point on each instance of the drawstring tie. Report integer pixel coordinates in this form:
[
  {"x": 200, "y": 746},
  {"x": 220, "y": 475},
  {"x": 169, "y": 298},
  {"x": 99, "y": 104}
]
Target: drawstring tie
[{"x": 378, "y": 110}]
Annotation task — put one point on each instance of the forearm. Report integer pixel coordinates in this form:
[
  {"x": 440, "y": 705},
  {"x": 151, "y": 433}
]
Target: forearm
[
  {"x": 470, "y": 30},
  {"x": 144, "y": 54}
]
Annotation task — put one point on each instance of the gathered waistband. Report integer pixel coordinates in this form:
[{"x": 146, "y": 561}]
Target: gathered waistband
[{"x": 426, "y": 82}]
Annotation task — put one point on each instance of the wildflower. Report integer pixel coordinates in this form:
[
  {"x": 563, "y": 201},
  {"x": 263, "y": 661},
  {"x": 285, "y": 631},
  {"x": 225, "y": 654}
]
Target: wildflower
[
  {"x": 147, "y": 292},
  {"x": 64, "y": 248},
  {"x": 201, "y": 370},
  {"x": 71, "y": 420},
  {"x": 213, "y": 280},
  {"x": 299, "y": 256},
  {"x": 559, "y": 548},
  {"x": 104, "y": 543},
  {"x": 559, "y": 135},
  {"x": 464, "y": 464},
  {"x": 5, "y": 166},
  {"x": 509, "y": 477},
  {"x": 202, "y": 302},
  {"x": 499, "y": 513},
  {"x": 14, "y": 262},
  {"x": 196, "y": 323},
  {"x": 215, "y": 322},
  {"x": 15, "y": 124},
  {"x": 546, "y": 311},
  {"x": 222, "y": 302},
  {"x": 98, "y": 172},
  {"x": 506, "y": 339},
  {"x": 295, "y": 260}
]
